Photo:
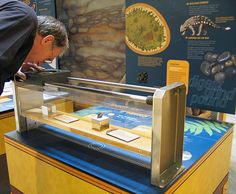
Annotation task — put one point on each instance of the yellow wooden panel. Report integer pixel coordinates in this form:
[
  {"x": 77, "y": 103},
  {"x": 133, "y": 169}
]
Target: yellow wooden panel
[
  {"x": 6, "y": 125},
  {"x": 209, "y": 173},
  {"x": 33, "y": 176}
]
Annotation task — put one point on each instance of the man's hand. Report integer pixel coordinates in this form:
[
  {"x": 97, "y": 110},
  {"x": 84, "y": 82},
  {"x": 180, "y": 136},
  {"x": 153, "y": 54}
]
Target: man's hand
[
  {"x": 30, "y": 67},
  {"x": 21, "y": 75}
]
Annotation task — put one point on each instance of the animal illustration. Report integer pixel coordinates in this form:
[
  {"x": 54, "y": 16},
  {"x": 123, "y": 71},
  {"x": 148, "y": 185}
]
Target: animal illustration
[{"x": 197, "y": 25}]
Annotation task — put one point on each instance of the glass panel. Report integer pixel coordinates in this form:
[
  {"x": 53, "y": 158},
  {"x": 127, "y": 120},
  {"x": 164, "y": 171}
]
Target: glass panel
[{"x": 91, "y": 112}]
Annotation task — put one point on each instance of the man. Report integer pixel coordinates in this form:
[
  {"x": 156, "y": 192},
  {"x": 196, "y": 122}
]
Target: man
[{"x": 26, "y": 39}]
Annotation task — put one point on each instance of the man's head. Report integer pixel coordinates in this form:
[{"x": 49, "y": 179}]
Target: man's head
[{"x": 51, "y": 40}]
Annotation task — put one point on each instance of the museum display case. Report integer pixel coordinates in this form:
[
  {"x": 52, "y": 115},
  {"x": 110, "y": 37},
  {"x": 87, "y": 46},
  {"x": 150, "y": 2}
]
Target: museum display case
[
  {"x": 146, "y": 130},
  {"x": 97, "y": 136}
]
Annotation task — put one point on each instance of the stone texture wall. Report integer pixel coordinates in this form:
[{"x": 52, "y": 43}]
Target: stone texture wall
[{"x": 96, "y": 31}]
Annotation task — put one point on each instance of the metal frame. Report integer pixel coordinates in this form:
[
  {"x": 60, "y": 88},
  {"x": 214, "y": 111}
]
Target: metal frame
[
  {"x": 23, "y": 123},
  {"x": 167, "y": 133},
  {"x": 167, "y": 122}
]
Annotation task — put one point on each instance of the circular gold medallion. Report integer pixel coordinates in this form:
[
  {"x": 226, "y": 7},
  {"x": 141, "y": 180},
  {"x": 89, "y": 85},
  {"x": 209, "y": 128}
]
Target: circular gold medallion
[{"x": 147, "y": 32}]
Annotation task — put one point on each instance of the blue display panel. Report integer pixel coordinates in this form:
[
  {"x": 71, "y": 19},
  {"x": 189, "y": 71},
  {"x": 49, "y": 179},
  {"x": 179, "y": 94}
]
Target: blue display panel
[
  {"x": 45, "y": 7},
  {"x": 119, "y": 117},
  {"x": 202, "y": 33},
  {"x": 194, "y": 127}
]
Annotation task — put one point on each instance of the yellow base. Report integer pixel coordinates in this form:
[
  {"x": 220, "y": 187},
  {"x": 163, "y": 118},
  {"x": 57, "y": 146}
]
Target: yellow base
[
  {"x": 208, "y": 172},
  {"x": 7, "y": 124},
  {"x": 33, "y": 173}
]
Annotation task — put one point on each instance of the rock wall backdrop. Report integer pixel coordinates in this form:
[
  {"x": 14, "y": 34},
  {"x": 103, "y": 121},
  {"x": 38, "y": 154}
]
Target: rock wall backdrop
[{"x": 96, "y": 32}]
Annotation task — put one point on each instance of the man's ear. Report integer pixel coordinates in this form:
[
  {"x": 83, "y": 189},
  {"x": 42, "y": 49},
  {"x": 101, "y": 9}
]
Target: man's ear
[{"x": 48, "y": 39}]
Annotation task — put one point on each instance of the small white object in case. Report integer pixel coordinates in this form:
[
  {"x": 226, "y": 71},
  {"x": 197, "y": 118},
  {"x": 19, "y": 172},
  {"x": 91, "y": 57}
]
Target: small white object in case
[
  {"x": 100, "y": 123},
  {"x": 48, "y": 109}
]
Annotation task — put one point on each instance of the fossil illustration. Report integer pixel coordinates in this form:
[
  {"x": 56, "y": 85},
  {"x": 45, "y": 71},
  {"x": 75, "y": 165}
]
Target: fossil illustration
[
  {"x": 147, "y": 32},
  {"x": 197, "y": 25}
]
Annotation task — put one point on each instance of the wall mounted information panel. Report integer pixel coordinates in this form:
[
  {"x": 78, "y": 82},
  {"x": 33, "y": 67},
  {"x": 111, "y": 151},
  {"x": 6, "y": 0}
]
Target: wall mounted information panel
[{"x": 188, "y": 41}]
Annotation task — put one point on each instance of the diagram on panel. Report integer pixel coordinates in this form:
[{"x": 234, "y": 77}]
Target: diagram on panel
[
  {"x": 147, "y": 32},
  {"x": 196, "y": 26}
]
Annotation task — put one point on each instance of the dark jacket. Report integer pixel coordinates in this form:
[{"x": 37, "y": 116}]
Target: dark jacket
[{"x": 18, "y": 25}]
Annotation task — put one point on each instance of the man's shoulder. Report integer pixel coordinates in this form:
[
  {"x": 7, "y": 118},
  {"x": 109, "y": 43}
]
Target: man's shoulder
[
  {"x": 17, "y": 5},
  {"x": 19, "y": 12}
]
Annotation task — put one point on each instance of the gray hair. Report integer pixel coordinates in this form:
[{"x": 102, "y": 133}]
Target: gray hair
[{"x": 48, "y": 25}]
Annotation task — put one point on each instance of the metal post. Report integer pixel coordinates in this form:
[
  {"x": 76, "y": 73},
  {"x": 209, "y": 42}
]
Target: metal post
[{"x": 167, "y": 133}]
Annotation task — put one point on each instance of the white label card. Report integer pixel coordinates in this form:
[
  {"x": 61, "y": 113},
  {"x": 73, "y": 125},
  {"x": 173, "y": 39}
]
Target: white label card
[
  {"x": 66, "y": 118},
  {"x": 122, "y": 135}
]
